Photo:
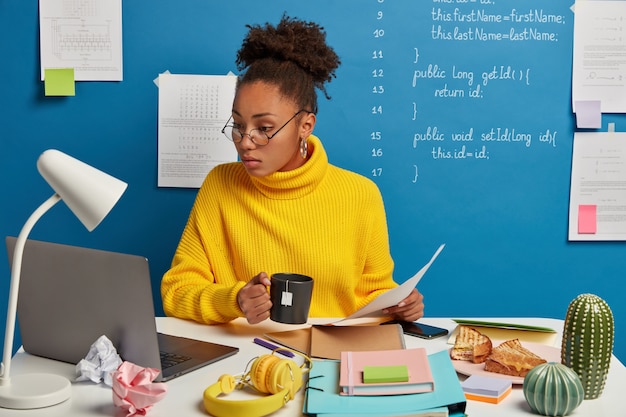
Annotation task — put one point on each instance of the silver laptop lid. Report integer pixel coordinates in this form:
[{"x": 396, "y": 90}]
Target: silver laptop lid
[{"x": 69, "y": 296}]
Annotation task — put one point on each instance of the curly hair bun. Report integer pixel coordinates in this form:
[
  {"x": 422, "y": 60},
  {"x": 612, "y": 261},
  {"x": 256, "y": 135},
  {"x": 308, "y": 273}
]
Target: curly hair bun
[{"x": 297, "y": 41}]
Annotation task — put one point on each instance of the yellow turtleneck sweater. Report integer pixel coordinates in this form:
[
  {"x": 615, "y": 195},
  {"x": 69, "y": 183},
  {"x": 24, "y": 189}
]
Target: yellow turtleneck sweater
[{"x": 318, "y": 220}]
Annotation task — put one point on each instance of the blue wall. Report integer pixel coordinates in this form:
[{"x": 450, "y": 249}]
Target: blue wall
[{"x": 502, "y": 211}]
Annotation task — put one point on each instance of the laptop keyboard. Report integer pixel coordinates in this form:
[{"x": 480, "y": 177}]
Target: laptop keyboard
[{"x": 171, "y": 359}]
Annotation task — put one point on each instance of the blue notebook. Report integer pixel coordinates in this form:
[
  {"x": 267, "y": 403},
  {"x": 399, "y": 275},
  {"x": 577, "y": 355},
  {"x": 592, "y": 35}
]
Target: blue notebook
[
  {"x": 322, "y": 396},
  {"x": 431, "y": 412}
]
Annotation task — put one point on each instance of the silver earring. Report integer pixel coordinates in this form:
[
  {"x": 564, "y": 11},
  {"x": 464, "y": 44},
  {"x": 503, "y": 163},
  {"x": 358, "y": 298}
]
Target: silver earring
[{"x": 304, "y": 148}]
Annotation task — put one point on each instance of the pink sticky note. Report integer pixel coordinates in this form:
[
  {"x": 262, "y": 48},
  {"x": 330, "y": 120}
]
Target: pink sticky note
[{"x": 587, "y": 219}]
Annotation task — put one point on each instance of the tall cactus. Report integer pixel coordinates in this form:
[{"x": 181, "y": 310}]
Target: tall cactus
[{"x": 587, "y": 342}]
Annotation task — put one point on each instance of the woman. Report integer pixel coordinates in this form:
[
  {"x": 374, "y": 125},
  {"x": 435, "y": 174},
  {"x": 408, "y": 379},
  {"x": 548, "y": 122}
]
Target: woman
[{"x": 283, "y": 207}]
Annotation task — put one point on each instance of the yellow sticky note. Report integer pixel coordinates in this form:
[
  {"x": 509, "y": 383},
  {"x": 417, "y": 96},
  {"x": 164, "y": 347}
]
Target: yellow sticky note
[{"x": 59, "y": 82}]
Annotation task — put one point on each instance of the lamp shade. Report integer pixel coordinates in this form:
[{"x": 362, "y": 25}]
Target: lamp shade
[{"x": 87, "y": 191}]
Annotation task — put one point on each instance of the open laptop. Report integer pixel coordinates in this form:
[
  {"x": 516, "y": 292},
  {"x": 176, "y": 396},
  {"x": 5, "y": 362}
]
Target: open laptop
[{"x": 69, "y": 296}]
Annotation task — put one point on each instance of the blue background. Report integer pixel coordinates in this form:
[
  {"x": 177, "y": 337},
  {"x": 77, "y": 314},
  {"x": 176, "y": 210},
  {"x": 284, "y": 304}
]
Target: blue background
[{"x": 504, "y": 219}]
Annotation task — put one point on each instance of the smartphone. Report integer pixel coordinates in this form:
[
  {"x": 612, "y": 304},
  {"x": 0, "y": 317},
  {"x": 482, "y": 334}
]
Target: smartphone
[{"x": 424, "y": 331}]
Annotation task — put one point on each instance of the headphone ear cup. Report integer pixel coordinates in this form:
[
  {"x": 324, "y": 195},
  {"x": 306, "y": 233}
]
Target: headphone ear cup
[
  {"x": 286, "y": 374},
  {"x": 270, "y": 375},
  {"x": 227, "y": 383},
  {"x": 261, "y": 370}
]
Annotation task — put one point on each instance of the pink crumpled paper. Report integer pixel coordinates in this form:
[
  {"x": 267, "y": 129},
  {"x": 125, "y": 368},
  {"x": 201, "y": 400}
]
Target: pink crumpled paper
[{"x": 133, "y": 389}]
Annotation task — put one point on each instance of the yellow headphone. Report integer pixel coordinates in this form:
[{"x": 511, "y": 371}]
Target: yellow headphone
[{"x": 282, "y": 378}]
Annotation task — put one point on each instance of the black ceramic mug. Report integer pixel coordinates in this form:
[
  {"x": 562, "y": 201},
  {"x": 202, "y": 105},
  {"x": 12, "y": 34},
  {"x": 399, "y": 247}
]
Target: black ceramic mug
[{"x": 291, "y": 297}]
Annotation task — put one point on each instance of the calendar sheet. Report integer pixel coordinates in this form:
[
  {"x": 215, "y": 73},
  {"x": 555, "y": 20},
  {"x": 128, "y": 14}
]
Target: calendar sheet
[{"x": 193, "y": 109}]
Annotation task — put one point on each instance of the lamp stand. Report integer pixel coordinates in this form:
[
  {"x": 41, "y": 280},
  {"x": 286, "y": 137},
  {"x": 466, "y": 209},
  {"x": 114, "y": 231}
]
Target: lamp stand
[
  {"x": 34, "y": 390},
  {"x": 27, "y": 391}
]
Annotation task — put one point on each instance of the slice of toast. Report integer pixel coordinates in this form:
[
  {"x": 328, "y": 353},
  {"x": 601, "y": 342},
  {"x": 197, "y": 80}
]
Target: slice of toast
[
  {"x": 470, "y": 345},
  {"x": 511, "y": 358}
]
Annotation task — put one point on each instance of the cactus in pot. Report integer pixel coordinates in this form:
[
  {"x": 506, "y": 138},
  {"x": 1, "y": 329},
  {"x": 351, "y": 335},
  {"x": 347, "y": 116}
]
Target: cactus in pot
[{"x": 587, "y": 343}]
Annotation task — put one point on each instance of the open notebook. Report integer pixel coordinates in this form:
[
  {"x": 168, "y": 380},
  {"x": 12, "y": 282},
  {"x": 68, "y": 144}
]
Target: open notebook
[{"x": 70, "y": 296}]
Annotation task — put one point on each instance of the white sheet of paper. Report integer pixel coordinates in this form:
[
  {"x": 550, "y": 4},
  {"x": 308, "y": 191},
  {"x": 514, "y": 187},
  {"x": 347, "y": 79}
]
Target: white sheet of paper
[
  {"x": 193, "y": 109},
  {"x": 394, "y": 295},
  {"x": 84, "y": 35},
  {"x": 598, "y": 172},
  {"x": 599, "y": 55}
]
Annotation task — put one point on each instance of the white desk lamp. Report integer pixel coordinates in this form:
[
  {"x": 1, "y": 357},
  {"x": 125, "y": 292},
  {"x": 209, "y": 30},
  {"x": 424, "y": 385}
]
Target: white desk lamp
[{"x": 90, "y": 194}]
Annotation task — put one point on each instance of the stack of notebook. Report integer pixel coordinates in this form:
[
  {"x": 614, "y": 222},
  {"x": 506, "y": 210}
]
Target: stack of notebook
[
  {"x": 324, "y": 396},
  {"x": 385, "y": 372}
]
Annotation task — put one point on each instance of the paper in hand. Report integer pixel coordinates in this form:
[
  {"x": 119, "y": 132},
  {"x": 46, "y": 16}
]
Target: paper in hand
[{"x": 394, "y": 295}]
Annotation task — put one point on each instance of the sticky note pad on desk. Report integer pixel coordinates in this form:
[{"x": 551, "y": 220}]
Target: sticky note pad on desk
[
  {"x": 486, "y": 389},
  {"x": 385, "y": 374}
]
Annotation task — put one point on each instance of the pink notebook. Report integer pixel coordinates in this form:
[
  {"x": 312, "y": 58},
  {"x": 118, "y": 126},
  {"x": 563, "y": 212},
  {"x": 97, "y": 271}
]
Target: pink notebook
[{"x": 416, "y": 360}]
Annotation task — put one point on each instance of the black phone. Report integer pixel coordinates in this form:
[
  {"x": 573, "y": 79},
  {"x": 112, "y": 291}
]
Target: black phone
[{"x": 424, "y": 331}]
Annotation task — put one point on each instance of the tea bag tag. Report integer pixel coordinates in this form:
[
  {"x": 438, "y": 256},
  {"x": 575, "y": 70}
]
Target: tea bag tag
[{"x": 286, "y": 297}]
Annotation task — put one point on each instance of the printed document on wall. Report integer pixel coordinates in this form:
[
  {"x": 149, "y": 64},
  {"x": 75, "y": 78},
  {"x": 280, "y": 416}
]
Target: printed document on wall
[
  {"x": 193, "y": 109},
  {"x": 85, "y": 35},
  {"x": 598, "y": 187},
  {"x": 599, "y": 65}
]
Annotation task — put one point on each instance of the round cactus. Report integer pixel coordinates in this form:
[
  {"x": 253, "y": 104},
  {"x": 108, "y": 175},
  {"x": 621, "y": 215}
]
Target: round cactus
[
  {"x": 553, "y": 389},
  {"x": 587, "y": 343}
]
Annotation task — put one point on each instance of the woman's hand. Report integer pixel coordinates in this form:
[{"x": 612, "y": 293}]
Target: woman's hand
[
  {"x": 409, "y": 309},
  {"x": 254, "y": 299}
]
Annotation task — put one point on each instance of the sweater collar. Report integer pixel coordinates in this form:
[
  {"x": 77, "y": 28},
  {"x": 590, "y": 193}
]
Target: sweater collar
[{"x": 286, "y": 185}]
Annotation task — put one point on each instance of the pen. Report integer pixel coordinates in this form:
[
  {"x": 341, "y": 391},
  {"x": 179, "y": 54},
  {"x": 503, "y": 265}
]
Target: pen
[{"x": 270, "y": 346}]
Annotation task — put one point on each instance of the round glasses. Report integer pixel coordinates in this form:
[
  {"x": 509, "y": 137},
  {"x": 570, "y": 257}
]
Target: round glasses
[{"x": 258, "y": 136}]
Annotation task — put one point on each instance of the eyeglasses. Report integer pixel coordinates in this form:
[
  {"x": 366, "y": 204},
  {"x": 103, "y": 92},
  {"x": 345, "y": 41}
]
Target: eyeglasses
[{"x": 259, "y": 136}]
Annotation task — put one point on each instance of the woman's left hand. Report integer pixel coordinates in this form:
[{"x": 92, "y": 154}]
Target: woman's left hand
[{"x": 409, "y": 309}]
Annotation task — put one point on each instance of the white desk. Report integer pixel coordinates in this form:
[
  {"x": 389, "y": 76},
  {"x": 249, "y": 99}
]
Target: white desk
[{"x": 184, "y": 397}]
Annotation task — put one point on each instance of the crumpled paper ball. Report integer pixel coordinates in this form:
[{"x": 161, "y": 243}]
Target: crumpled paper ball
[
  {"x": 133, "y": 389},
  {"x": 101, "y": 360}
]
